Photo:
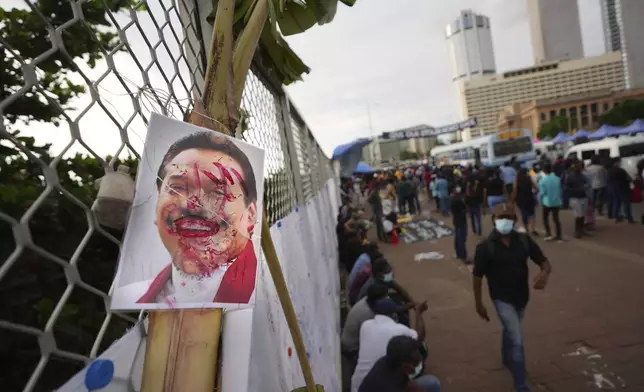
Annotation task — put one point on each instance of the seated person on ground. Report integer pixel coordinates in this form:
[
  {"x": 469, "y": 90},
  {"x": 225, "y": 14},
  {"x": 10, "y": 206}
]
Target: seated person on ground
[
  {"x": 349, "y": 248},
  {"x": 400, "y": 370},
  {"x": 358, "y": 314},
  {"x": 382, "y": 272},
  {"x": 376, "y": 333},
  {"x": 370, "y": 253}
]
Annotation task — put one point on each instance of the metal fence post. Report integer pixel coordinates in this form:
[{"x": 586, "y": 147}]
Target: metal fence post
[{"x": 290, "y": 144}]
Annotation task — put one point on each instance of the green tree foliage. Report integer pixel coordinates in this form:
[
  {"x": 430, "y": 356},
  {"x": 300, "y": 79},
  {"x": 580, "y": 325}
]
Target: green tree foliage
[
  {"x": 553, "y": 127},
  {"x": 406, "y": 155},
  {"x": 624, "y": 113},
  {"x": 26, "y": 34},
  {"x": 34, "y": 284}
]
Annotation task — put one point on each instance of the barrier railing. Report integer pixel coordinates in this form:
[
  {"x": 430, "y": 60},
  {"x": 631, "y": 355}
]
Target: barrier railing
[{"x": 80, "y": 80}]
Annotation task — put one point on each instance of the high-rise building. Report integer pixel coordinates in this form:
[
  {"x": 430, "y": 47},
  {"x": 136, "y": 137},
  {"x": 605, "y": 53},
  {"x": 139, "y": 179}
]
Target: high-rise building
[
  {"x": 469, "y": 42},
  {"x": 612, "y": 36},
  {"x": 485, "y": 97},
  {"x": 555, "y": 30},
  {"x": 623, "y": 30}
]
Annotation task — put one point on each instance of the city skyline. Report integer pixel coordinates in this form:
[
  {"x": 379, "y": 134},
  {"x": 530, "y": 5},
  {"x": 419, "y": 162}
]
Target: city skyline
[{"x": 334, "y": 97}]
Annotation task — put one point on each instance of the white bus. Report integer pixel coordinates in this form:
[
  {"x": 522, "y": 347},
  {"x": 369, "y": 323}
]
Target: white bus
[
  {"x": 629, "y": 148},
  {"x": 491, "y": 150}
]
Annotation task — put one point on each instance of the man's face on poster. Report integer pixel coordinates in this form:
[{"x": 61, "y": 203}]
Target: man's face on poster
[{"x": 202, "y": 217}]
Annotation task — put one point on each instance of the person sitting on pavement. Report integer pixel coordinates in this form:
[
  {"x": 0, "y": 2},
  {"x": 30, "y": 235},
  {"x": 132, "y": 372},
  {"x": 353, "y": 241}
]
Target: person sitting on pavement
[
  {"x": 370, "y": 252},
  {"x": 376, "y": 333},
  {"x": 358, "y": 314},
  {"x": 359, "y": 280},
  {"x": 400, "y": 369},
  {"x": 502, "y": 260},
  {"x": 350, "y": 248},
  {"x": 381, "y": 272}
]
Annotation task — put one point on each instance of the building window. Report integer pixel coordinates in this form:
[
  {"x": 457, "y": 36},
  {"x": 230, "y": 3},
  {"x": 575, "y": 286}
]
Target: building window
[
  {"x": 562, "y": 112},
  {"x": 479, "y": 21},
  {"x": 553, "y": 114},
  {"x": 583, "y": 109},
  {"x": 606, "y": 106},
  {"x": 544, "y": 117},
  {"x": 467, "y": 21}
]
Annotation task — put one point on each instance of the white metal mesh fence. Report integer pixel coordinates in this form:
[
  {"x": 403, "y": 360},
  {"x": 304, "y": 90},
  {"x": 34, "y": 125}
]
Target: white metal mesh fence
[{"x": 79, "y": 81}]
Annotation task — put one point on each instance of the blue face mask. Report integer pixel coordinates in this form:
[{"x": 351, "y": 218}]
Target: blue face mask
[
  {"x": 504, "y": 226},
  {"x": 388, "y": 277},
  {"x": 417, "y": 370}
]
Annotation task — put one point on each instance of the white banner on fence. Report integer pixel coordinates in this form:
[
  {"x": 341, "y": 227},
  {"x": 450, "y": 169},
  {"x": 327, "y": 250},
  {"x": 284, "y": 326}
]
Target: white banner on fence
[{"x": 258, "y": 351}]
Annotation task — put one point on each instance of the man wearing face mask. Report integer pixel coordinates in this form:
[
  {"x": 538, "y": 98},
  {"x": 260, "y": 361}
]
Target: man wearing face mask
[
  {"x": 381, "y": 272},
  {"x": 375, "y": 335},
  {"x": 400, "y": 369},
  {"x": 502, "y": 260}
]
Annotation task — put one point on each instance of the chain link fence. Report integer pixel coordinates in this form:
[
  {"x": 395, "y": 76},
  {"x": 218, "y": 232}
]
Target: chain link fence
[{"x": 80, "y": 80}]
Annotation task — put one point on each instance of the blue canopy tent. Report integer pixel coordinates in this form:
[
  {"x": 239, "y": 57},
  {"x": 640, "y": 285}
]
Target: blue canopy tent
[
  {"x": 349, "y": 155},
  {"x": 364, "y": 168},
  {"x": 636, "y": 127},
  {"x": 579, "y": 134},
  {"x": 604, "y": 131},
  {"x": 560, "y": 138}
]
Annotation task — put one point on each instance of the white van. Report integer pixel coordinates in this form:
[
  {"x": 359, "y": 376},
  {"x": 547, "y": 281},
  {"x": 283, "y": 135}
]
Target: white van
[
  {"x": 549, "y": 149},
  {"x": 629, "y": 148}
]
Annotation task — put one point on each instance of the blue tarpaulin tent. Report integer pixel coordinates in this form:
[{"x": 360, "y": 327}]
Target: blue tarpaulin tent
[
  {"x": 636, "y": 127},
  {"x": 342, "y": 149},
  {"x": 349, "y": 155},
  {"x": 560, "y": 138},
  {"x": 604, "y": 131},
  {"x": 364, "y": 168},
  {"x": 579, "y": 134}
]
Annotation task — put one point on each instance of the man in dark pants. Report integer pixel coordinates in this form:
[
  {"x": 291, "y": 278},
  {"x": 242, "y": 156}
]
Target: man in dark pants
[
  {"x": 459, "y": 219},
  {"x": 620, "y": 188},
  {"x": 376, "y": 207},
  {"x": 502, "y": 260}
]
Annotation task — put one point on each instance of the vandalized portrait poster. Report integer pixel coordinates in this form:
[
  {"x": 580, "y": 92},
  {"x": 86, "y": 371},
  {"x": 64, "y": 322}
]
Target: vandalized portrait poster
[{"x": 193, "y": 235}]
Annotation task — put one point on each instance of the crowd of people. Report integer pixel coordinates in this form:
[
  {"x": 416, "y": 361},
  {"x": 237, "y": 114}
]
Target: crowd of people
[
  {"x": 383, "y": 336},
  {"x": 383, "y": 333}
]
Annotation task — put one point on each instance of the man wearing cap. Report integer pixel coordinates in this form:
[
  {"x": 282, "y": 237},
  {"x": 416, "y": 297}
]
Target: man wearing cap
[
  {"x": 502, "y": 260},
  {"x": 376, "y": 333}
]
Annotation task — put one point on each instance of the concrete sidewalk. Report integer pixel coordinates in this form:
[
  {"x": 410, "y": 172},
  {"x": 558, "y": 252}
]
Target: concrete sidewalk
[{"x": 584, "y": 333}]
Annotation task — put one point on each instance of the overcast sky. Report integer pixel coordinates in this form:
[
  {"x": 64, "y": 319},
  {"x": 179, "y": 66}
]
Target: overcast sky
[
  {"x": 391, "y": 58},
  {"x": 394, "y": 58}
]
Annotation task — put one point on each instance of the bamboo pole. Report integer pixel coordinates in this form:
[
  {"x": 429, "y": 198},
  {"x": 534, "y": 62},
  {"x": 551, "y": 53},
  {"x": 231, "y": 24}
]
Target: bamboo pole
[
  {"x": 182, "y": 346},
  {"x": 274, "y": 267}
]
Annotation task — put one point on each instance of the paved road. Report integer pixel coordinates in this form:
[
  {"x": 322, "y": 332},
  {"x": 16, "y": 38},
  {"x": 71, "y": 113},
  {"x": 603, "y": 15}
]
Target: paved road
[{"x": 584, "y": 333}]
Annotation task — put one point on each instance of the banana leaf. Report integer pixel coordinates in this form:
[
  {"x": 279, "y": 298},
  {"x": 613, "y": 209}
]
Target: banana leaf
[{"x": 286, "y": 17}]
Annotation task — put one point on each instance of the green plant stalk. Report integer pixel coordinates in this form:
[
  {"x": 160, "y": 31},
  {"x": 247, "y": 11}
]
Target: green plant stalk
[
  {"x": 169, "y": 346},
  {"x": 218, "y": 95},
  {"x": 246, "y": 45}
]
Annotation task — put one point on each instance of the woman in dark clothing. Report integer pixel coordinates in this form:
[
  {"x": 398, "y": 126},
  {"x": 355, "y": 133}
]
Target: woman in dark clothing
[
  {"x": 523, "y": 197},
  {"x": 577, "y": 186},
  {"x": 494, "y": 189}
]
